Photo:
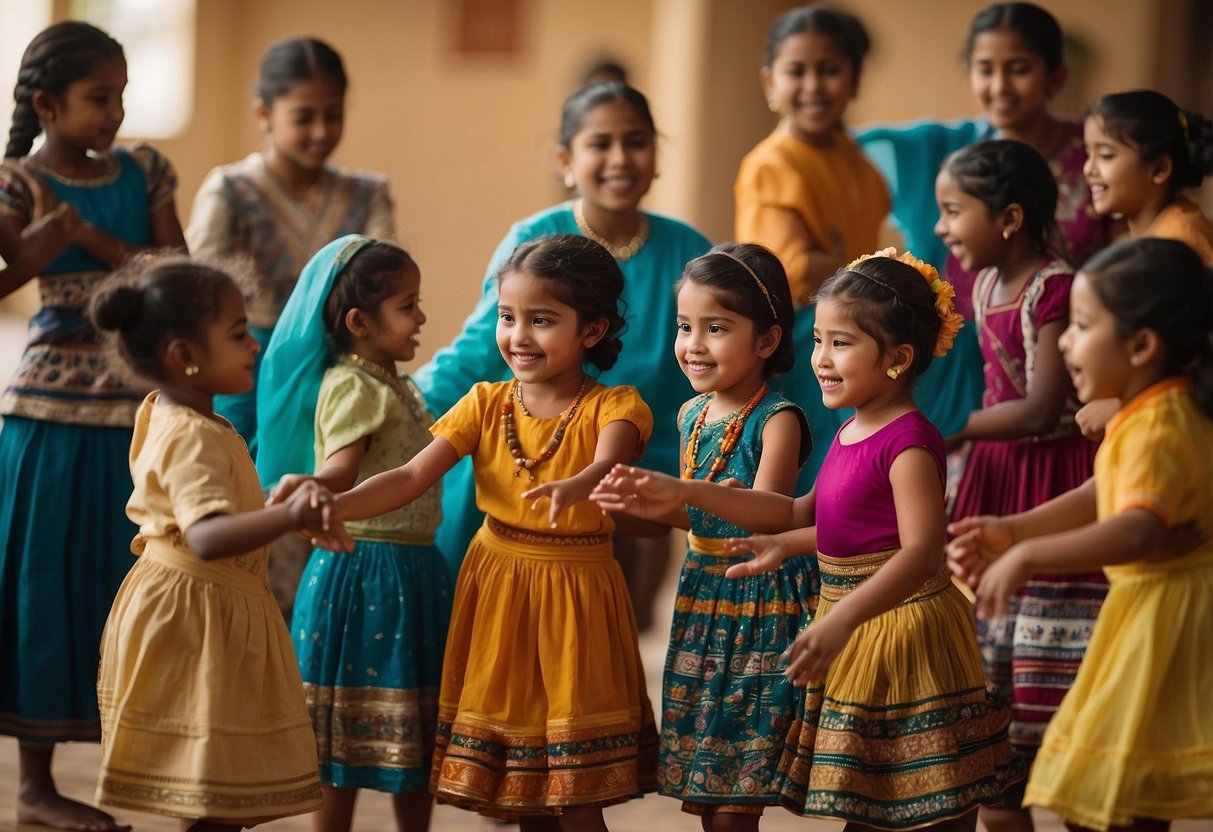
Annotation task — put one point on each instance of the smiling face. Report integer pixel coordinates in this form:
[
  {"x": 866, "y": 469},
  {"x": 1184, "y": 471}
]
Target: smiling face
[
  {"x": 393, "y": 327},
  {"x": 717, "y": 348},
  {"x": 540, "y": 337},
  {"x": 811, "y": 82},
  {"x": 612, "y": 158},
  {"x": 88, "y": 114},
  {"x": 849, "y": 364},
  {"x": 1121, "y": 182},
  {"x": 1011, "y": 82},
  {"x": 225, "y": 352},
  {"x": 1096, "y": 356},
  {"x": 966, "y": 227},
  {"x": 304, "y": 124}
]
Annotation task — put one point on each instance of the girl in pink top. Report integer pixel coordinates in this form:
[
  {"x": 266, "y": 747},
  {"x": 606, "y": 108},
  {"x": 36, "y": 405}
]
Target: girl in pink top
[{"x": 897, "y": 729}]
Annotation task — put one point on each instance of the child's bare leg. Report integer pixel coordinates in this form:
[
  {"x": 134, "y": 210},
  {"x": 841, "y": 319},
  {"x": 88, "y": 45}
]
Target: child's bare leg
[
  {"x": 336, "y": 813},
  {"x": 1007, "y": 820},
  {"x": 208, "y": 825},
  {"x": 539, "y": 823},
  {"x": 965, "y": 823},
  {"x": 413, "y": 810},
  {"x": 1139, "y": 825},
  {"x": 582, "y": 819},
  {"x": 38, "y": 801},
  {"x": 732, "y": 822}
]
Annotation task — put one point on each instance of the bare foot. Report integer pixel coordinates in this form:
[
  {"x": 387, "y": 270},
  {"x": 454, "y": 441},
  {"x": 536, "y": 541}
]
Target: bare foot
[{"x": 52, "y": 809}]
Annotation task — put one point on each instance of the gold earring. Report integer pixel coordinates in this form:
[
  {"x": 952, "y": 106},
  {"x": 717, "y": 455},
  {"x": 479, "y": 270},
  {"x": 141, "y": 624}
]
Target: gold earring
[
  {"x": 773, "y": 107},
  {"x": 1006, "y": 233},
  {"x": 893, "y": 372},
  {"x": 191, "y": 370},
  {"x": 569, "y": 181}
]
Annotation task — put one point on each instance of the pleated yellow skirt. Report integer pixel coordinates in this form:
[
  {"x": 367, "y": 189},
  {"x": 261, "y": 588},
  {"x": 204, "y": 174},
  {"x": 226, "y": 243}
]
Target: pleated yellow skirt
[
  {"x": 202, "y": 707},
  {"x": 543, "y": 702},
  {"x": 904, "y": 731},
  {"x": 1134, "y": 736}
]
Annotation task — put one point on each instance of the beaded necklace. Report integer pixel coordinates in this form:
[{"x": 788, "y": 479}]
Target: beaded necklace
[
  {"x": 398, "y": 386},
  {"x": 728, "y": 440},
  {"x": 510, "y": 435},
  {"x": 621, "y": 253}
]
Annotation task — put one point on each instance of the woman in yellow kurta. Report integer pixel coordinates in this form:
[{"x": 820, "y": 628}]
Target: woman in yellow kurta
[
  {"x": 806, "y": 191},
  {"x": 1132, "y": 743},
  {"x": 543, "y": 709},
  {"x": 202, "y": 708}
]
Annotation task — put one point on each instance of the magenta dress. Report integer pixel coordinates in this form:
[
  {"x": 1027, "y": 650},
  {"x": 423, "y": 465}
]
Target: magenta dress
[
  {"x": 903, "y": 731},
  {"x": 1033, "y": 654},
  {"x": 1084, "y": 231}
]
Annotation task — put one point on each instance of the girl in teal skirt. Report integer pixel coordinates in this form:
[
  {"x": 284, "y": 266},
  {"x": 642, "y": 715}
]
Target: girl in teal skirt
[{"x": 369, "y": 626}]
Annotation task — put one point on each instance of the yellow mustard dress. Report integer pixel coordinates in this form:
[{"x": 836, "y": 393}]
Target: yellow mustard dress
[
  {"x": 1133, "y": 737},
  {"x": 202, "y": 707},
  {"x": 543, "y": 702}
]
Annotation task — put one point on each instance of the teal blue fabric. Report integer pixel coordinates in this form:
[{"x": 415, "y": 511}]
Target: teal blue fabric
[
  {"x": 65, "y": 546},
  {"x": 725, "y": 703},
  {"x": 646, "y": 362},
  {"x": 294, "y": 365},
  {"x": 909, "y": 157}
]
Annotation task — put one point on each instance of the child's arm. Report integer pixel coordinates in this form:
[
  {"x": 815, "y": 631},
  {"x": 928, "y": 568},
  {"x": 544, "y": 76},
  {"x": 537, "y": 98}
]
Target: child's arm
[
  {"x": 1094, "y": 416},
  {"x": 979, "y": 541},
  {"x": 228, "y": 535},
  {"x": 617, "y": 442},
  {"x": 27, "y": 251},
  {"x": 918, "y": 498},
  {"x": 339, "y": 473},
  {"x": 165, "y": 233},
  {"x": 400, "y": 486},
  {"x": 1131, "y": 535},
  {"x": 1036, "y": 413}
]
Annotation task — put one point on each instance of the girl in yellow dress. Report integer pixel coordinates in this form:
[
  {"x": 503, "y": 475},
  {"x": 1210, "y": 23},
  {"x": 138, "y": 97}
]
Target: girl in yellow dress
[
  {"x": 1132, "y": 744},
  {"x": 542, "y": 709},
  {"x": 202, "y": 709}
]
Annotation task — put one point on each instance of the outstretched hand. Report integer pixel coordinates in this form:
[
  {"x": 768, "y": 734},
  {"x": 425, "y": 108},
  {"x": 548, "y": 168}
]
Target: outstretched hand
[
  {"x": 560, "y": 495},
  {"x": 977, "y": 543},
  {"x": 313, "y": 508},
  {"x": 815, "y": 649},
  {"x": 638, "y": 491},
  {"x": 1000, "y": 581},
  {"x": 769, "y": 554},
  {"x": 287, "y": 486}
]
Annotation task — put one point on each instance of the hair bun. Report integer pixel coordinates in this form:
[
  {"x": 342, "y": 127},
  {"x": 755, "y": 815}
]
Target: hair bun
[{"x": 117, "y": 307}]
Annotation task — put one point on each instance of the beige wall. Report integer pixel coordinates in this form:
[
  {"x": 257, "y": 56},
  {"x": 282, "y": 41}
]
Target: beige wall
[{"x": 467, "y": 143}]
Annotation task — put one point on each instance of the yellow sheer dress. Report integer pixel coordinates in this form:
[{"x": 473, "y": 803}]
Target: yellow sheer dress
[
  {"x": 202, "y": 707},
  {"x": 1133, "y": 737},
  {"x": 543, "y": 702}
]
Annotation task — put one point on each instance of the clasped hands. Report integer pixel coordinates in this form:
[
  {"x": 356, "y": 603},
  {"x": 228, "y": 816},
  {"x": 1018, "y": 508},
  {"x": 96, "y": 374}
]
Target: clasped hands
[{"x": 315, "y": 509}]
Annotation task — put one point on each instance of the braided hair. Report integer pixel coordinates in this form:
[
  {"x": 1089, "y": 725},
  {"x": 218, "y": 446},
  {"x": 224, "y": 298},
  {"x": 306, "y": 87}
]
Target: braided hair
[{"x": 57, "y": 57}]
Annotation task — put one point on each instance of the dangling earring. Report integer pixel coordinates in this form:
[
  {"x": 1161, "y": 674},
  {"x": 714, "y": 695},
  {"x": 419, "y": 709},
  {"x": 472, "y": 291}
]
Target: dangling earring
[
  {"x": 893, "y": 372},
  {"x": 569, "y": 181},
  {"x": 191, "y": 370},
  {"x": 1006, "y": 233},
  {"x": 774, "y": 108}
]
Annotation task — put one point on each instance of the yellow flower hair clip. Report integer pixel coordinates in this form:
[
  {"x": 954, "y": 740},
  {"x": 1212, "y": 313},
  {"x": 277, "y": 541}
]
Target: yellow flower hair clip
[{"x": 950, "y": 321}]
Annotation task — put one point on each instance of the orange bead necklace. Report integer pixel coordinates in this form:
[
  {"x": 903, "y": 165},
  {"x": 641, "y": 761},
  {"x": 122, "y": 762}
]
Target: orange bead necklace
[
  {"x": 728, "y": 440},
  {"x": 510, "y": 434}
]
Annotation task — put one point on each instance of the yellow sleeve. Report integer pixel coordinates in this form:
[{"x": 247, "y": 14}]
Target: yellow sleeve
[
  {"x": 465, "y": 423},
  {"x": 197, "y": 476},
  {"x": 772, "y": 199},
  {"x": 1155, "y": 469},
  {"x": 624, "y": 404}
]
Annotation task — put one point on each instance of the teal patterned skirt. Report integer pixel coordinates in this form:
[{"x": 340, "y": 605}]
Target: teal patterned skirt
[
  {"x": 369, "y": 630},
  {"x": 725, "y": 705}
]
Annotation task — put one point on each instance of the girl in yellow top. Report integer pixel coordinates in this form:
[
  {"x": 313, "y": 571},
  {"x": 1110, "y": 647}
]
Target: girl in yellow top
[
  {"x": 806, "y": 191},
  {"x": 202, "y": 709},
  {"x": 542, "y": 709},
  {"x": 1132, "y": 743}
]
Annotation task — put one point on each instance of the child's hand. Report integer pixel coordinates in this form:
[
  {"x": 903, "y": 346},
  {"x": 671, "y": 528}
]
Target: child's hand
[
  {"x": 560, "y": 494},
  {"x": 978, "y": 542},
  {"x": 638, "y": 491},
  {"x": 1001, "y": 580},
  {"x": 286, "y": 487},
  {"x": 769, "y": 554},
  {"x": 1180, "y": 540},
  {"x": 50, "y": 233},
  {"x": 1093, "y": 417},
  {"x": 815, "y": 649}
]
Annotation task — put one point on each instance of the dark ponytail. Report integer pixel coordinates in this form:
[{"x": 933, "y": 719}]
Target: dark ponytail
[{"x": 56, "y": 57}]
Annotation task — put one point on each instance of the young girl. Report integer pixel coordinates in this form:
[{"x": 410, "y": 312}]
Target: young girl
[
  {"x": 70, "y": 212},
  {"x": 806, "y": 191},
  {"x": 279, "y": 207},
  {"x": 369, "y": 627},
  {"x": 898, "y": 730},
  {"x": 1130, "y": 745},
  {"x": 996, "y": 203},
  {"x": 1143, "y": 152},
  {"x": 201, "y": 702},
  {"x": 722, "y": 697},
  {"x": 607, "y": 153},
  {"x": 543, "y": 708}
]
